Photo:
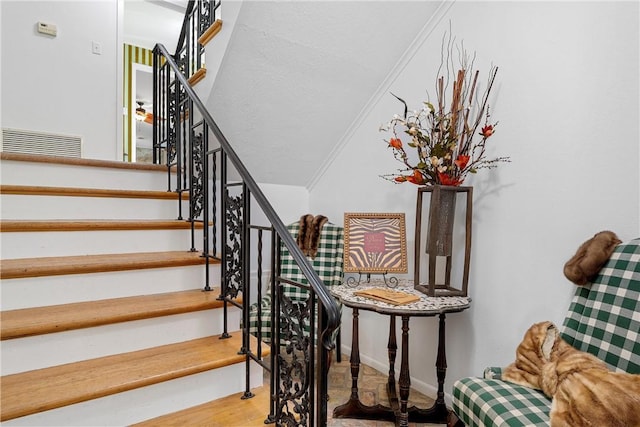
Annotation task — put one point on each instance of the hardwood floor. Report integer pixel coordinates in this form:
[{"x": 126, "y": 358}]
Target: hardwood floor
[
  {"x": 372, "y": 389},
  {"x": 233, "y": 411}
]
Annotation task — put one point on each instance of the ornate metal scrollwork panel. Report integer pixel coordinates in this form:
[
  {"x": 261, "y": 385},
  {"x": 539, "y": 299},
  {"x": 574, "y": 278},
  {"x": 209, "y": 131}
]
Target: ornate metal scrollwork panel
[
  {"x": 182, "y": 62},
  {"x": 205, "y": 17},
  {"x": 172, "y": 126},
  {"x": 294, "y": 361},
  {"x": 234, "y": 220},
  {"x": 197, "y": 177}
]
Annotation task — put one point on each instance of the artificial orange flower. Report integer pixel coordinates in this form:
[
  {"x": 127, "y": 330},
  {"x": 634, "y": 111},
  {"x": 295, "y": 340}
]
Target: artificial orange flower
[
  {"x": 461, "y": 161},
  {"x": 448, "y": 180},
  {"x": 395, "y": 143},
  {"x": 416, "y": 178},
  {"x": 487, "y": 131},
  {"x": 400, "y": 178}
]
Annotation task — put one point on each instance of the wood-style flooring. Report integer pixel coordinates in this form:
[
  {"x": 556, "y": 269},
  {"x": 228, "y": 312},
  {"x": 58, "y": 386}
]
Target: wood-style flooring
[{"x": 233, "y": 411}]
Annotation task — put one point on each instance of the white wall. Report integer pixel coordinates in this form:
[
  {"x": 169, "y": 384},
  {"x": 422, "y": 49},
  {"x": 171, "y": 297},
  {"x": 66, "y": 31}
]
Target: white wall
[
  {"x": 289, "y": 201},
  {"x": 56, "y": 84},
  {"x": 567, "y": 103}
]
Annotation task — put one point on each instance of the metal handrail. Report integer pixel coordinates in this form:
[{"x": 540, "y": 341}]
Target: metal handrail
[
  {"x": 328, "y": 302},
  {"x": 185, "y": 25}
]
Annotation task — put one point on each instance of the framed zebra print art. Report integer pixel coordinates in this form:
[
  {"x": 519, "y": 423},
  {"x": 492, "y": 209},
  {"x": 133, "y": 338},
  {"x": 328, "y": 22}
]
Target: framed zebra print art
[{"x": 375, "y": 243}]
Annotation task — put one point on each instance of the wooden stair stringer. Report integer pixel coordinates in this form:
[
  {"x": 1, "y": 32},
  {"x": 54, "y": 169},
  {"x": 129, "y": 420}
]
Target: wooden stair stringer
[{"x": 23, "y": 394}]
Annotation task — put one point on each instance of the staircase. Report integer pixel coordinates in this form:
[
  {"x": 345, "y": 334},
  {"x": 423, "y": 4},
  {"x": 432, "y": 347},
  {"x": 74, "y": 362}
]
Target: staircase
[
  {"x": 104, "y": 315},
  {"x": 104, "y": 321}
]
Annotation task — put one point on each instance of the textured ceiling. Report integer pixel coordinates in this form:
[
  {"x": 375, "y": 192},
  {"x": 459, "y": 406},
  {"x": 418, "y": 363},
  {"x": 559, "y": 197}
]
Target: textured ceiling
[{"x": 297, "y": 74}]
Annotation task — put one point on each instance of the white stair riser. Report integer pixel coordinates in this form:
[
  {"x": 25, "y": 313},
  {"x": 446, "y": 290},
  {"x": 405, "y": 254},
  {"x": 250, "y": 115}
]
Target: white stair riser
[
  {"x": 54, "y": 290},
  {"x": 51, "y": 207},
  {"x": 47, "y": 244},
  {"x": 30, "y": 353},
  {"x": 52, "y": 175},
  {"x": 26, "y": 354},
  {"x": 148, "y": 402}
]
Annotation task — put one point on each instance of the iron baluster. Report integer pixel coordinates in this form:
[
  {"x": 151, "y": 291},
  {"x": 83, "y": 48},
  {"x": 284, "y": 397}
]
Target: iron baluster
[
  {"x": 214, "y": 195},
  {"x": 301, "y": 331}
]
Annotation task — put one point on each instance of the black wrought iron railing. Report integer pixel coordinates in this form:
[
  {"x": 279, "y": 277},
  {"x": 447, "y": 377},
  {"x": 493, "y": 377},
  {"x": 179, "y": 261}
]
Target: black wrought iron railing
[
  {"x": 199, "y": 16},
  {"x": 222, "y": 195}
]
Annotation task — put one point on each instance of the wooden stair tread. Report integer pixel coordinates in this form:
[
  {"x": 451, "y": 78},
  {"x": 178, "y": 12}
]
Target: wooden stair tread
[
  {"x": 94, "y": 225},
  {"x": 230, "y": 411},
  {"x": 210, "y": 32},
  {"x": 197, "y": 76},
  {"x": 84, "y": 264},
  {"x": 26, "y": 322},
  {"x": 37, "y": 158},
  {"x": 44, "y": 389},
  {"x": 36, "y": 190}
]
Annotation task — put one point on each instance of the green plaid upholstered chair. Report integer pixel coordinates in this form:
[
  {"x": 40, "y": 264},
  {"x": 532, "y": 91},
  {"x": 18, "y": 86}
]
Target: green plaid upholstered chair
[
  {"x": 328, "y": 263},
  {"x": 603, "y": 319}
]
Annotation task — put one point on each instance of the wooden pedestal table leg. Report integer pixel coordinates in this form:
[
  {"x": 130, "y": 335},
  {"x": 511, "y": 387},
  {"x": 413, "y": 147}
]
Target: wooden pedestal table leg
[
  {"x": 354, "y": 408},
  {"x": 438, "y": 413},
  {"x": 392, "y": 348},
  {"x": 404, "y": 382}
]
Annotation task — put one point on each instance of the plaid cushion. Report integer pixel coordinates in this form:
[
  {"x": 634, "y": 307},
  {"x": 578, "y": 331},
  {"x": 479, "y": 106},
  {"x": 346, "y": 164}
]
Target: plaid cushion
[
  {"x": 328, "y": 263},
  {"x": 480, "y": 402},
  {"x": 603, "y": 319}
]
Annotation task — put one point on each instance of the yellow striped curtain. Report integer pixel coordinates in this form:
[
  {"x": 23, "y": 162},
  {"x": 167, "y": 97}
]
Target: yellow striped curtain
[{"x": 132, "y": 55}]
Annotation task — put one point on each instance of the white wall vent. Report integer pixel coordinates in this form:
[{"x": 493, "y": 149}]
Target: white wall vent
[{"x": 42, "y": 143}]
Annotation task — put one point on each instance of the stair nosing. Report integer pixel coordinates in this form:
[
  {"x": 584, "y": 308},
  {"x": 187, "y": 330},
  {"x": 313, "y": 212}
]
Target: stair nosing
[
  {"x": 199, "y": 415},
  {"x": 85, "y": 264},
  {"x": 73, "y": 161},
  {"x": 210, "y": 32},
  {"x": 199, "y": 75},
  {"x": 26, "y": 322},
  {"x": 23, "y": 394},
  {"x": 37, "y": 190},
  {"x": 7, "y": 226}
]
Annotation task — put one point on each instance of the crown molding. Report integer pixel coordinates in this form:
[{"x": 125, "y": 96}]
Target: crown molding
[{"x": 424, "y": 34}]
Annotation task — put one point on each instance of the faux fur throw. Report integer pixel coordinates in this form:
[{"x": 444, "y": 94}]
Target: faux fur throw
[
  {"x": 584, "y": 391},
  {"x": 590, "y": 257},
  {"x": 309, "y": 234}
]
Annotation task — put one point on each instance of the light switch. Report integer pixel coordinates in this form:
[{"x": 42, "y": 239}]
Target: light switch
[{"x": 96, "y": 48}]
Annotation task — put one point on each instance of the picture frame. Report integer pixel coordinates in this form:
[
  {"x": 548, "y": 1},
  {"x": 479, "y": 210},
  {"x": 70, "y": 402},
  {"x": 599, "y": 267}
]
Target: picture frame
[{"x": 375, "y": 243}]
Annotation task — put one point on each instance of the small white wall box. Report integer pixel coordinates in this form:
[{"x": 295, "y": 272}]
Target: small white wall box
[{"x": 49, "y": 29}]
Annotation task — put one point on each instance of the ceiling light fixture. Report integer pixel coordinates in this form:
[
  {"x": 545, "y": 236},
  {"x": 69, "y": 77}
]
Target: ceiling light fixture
[{"x": 141, "y": 113}]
